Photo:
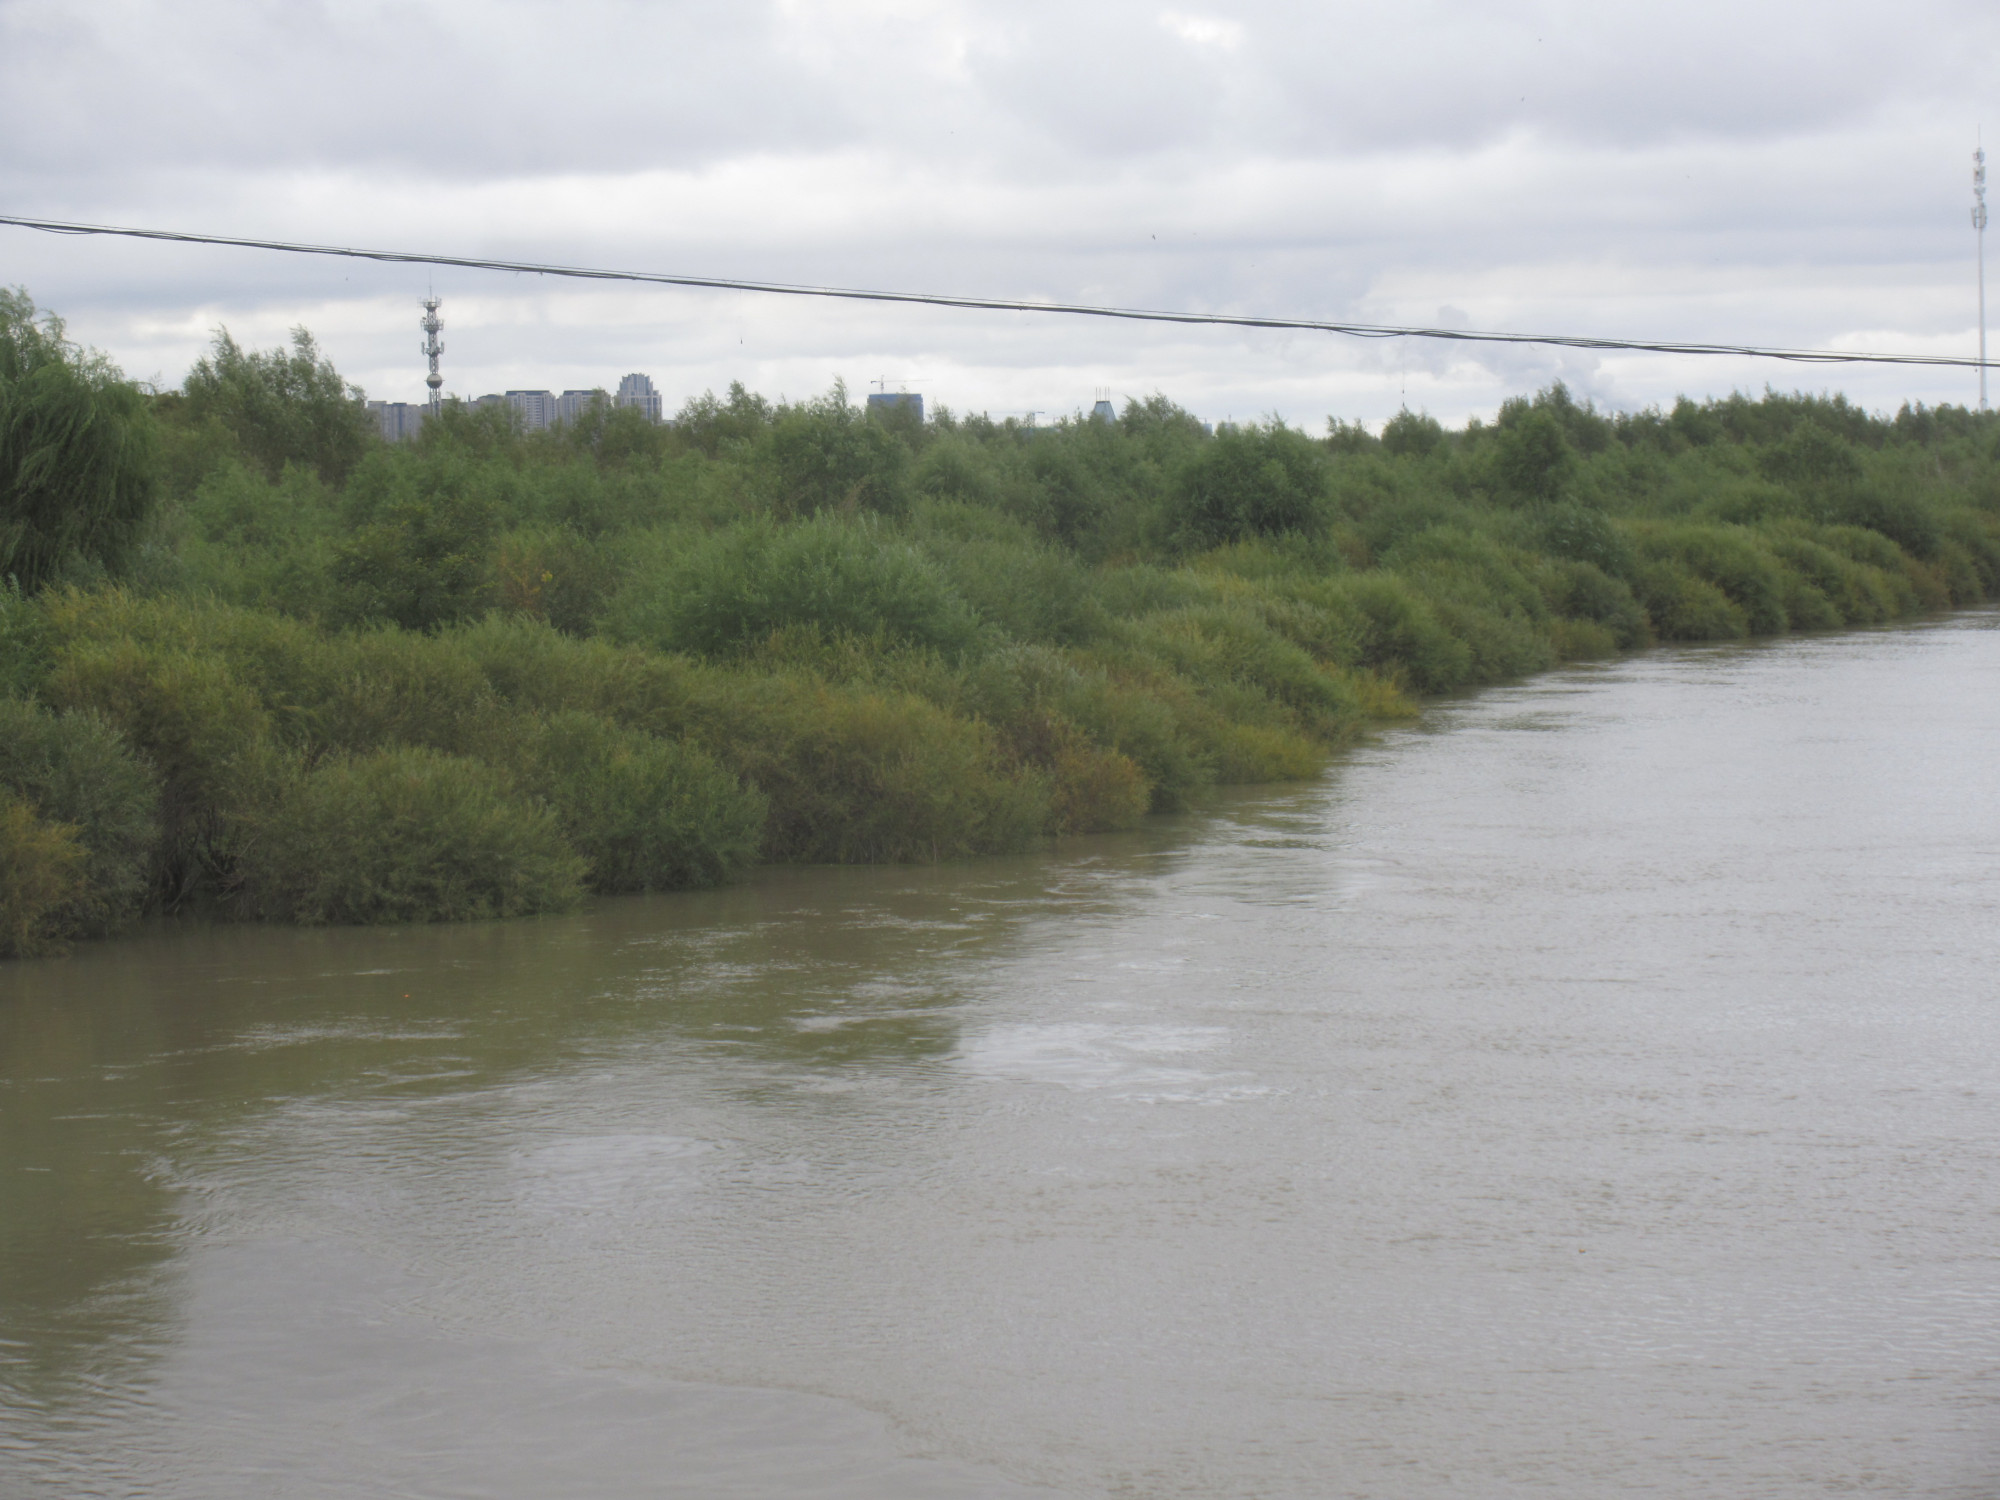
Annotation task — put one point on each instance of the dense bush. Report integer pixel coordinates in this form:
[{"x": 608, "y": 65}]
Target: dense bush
[
  {"x": 416, "y": 551},
  {"x": 857, "y": 776},
  {"x": 279, "y": 406},
  {"x": 204, "y": 731},
  {"x": 402, "y": 836},
  {"x": 647, "y": 814},
  {"x": 77, "y": 465},
  {"x": 24, "y": 643},
  {"x": 75, "y": 771},
  {"x": 42, "y": 876},
  {"x": 1249, "y": 481},
  {"x": 828, "y": 457},
  {"x": 1531, "y": 460},
  {"x": 732, "y": 589},
  {"x": 482, "y": 672}
]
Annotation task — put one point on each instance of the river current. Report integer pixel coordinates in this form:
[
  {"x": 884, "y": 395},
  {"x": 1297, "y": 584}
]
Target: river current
[{"x": 1589, "y": 1090}]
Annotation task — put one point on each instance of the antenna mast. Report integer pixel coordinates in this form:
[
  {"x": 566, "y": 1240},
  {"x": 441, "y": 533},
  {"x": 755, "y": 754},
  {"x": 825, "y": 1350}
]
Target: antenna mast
[
  {"x": 432, "y": 324},
  {"x": 1979, "y": 223}
]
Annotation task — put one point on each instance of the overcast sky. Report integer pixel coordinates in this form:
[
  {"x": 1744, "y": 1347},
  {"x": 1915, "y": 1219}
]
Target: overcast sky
[{"x": 1785, "y": 174}]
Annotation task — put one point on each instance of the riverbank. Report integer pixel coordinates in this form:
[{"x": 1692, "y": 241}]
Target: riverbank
[{"x": 485, "y": 673}]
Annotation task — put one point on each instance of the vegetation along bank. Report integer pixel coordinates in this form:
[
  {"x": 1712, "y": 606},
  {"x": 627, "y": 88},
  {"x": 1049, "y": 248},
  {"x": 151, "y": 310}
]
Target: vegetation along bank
[{"x": 257, "y": 664}]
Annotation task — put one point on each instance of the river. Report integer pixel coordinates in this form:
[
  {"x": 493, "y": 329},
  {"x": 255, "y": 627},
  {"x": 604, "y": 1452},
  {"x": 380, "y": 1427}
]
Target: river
[{"x": 1587, "y": 1090}]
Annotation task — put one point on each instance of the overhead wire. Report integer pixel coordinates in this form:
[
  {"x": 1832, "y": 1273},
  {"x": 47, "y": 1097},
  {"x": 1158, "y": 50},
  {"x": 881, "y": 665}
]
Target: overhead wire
[{"x": 1009, "y": 304}]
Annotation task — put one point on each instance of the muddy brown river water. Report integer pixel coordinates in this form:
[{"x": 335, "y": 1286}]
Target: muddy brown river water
[{"x": 1588, "y": 1091}]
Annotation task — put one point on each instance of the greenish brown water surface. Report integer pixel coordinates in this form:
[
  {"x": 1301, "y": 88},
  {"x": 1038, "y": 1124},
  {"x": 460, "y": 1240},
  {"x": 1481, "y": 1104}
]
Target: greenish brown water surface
[{"x": 1588, "y": 1091}]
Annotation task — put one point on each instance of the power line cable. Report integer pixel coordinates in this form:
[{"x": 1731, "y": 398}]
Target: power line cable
[{"x": 1006, "y": 304}]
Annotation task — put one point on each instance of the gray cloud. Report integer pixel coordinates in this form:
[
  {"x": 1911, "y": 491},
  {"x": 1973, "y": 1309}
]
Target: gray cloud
[{"x": 1779, "y": 173}]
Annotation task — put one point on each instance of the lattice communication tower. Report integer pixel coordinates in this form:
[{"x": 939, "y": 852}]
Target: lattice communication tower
[{"x": 432, "y": 325}]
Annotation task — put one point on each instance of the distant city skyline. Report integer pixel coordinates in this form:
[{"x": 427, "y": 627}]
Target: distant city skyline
[{"x": 538, "y": 410}]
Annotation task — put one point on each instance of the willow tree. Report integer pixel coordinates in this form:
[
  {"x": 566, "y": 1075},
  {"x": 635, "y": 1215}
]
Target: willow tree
[
  {"x": 76, "y": 449},
  {"x": 281, "y": 406}
]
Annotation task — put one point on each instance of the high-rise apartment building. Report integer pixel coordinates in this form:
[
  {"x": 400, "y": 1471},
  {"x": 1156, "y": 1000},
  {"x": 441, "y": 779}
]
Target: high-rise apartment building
[
  {"x": 398, "y": 421},
  {"x": 534, "y": 409},
  {"x": 572, "y": 404},
  {"x": 637, "y": 391}
]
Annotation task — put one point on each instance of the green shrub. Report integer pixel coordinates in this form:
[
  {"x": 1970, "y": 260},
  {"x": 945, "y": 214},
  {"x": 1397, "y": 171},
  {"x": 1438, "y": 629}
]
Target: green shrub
[
  {"x": 1811, "y": 458},
  {"x": 1028, "y": 591},
  {"x": 1530, "y": 460},
  {"x": 75, "y": 770},
  {"x": 1142, "y": 588},
  {"x": 1902, "y": 518},
  {"x": 1139, "y": 719},
  {"x": 280, "y": 407},
  {"x": 373, "y": 688},
  {"x": 1581, "y": 591},
  {"x": 532, "y": 667},
  {"x": 1390, "y": 519},
  {"x": 418, "y": 551},
  {"x": 1402, "y": 638},
  {"x": 405, "y": 835},
  {"x": 1215, "y": 645},
  {"x": 1855, "y": 592},
  {"x": 737, "y": 586},
  {"x": 42, "y": 877},
  {"x": 353, "y": 690},
  {"x": 648, "y": 814},
  {"x": 1582, "y": 534},
  {"x": 1865, "y": 545},
  {"x": 1979, "y": 535},
  {"x": 238, "y": 508},
  {"x": 1056, "y": 629},
  {"x": 1250, "y": 481},
  {"x": 1411, "y": 434},
  {"x": 1728, "y": 558},
  {"x": 829, "y": 457},
  {"x": 1806, "y": 604},
  {"x": 1683, "y": 607},
  {"x": 78, "y": 462},
  {"x": 858, "y": 777},
  {"x": 1252, "y": 754},
  {"x": 1091, "y": 789},
  {"x": 1744, "y": 501},
  {"x": 1501, "y": 644},
  {"x": 557, "y": 575},
  {"x": 203, "y": 731},
  {"x": 24, "y": 643},
  {"x": 1580, "y": 640}
]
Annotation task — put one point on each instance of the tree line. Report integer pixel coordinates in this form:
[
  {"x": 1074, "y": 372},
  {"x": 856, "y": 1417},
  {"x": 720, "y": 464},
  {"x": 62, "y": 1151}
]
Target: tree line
[{"x": 257, "y": 664}]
